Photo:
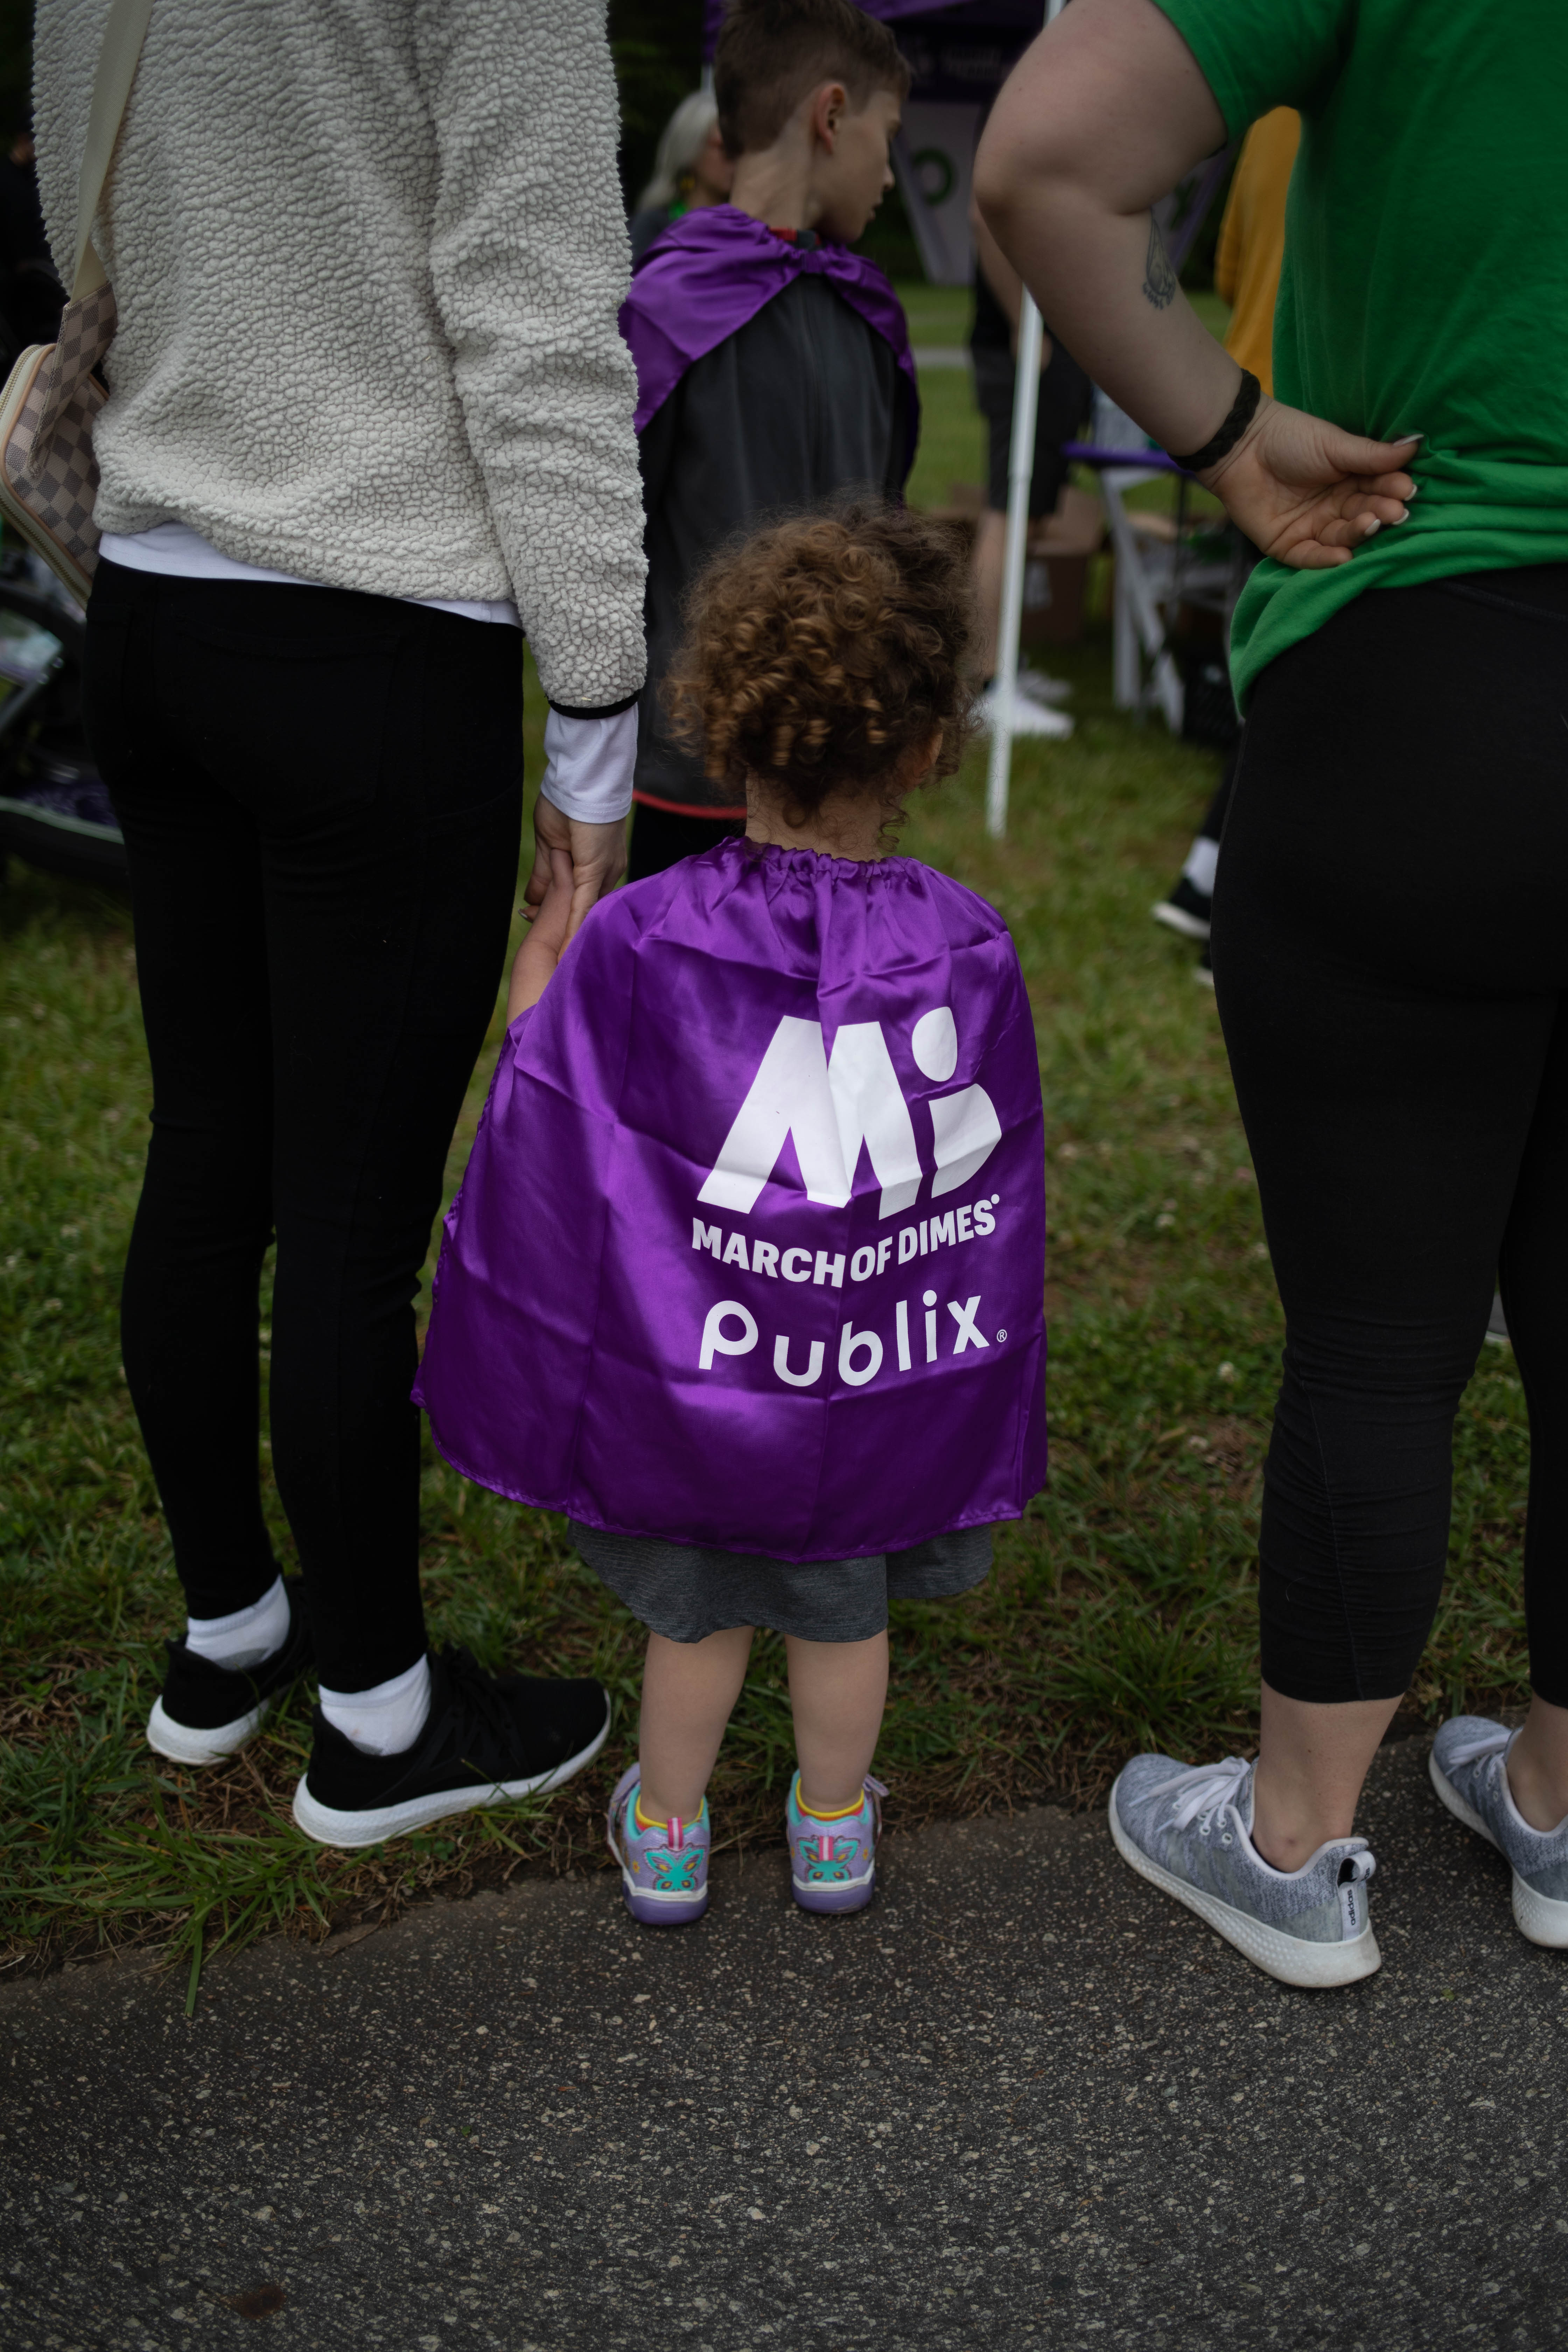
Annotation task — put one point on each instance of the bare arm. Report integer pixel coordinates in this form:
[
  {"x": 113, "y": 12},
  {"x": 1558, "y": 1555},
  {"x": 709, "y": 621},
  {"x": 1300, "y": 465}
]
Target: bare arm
[
  {"x": 1227, "y": 251},
  {"x": 1104, "y": 115},
  {"x": 545, "y": 940}
]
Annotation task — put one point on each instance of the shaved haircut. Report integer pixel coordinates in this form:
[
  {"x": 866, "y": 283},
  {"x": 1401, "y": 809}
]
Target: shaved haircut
[{"x": 773, "y": 53}]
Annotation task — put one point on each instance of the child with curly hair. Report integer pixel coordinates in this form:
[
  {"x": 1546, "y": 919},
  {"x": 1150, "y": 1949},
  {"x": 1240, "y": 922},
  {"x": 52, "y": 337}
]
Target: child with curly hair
[{"x": 746, "y": 1273}]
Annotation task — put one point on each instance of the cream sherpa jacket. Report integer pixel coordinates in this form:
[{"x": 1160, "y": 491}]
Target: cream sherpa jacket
[{"x": 368, "y": 256}]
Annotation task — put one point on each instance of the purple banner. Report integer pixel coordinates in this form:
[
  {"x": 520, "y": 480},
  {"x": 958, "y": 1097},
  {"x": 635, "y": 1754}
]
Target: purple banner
[{"x": 960, "y": 13}]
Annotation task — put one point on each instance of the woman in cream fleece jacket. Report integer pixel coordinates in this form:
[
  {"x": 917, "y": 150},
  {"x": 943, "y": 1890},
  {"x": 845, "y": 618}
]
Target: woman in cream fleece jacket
[{"x": 368, "y": 410}]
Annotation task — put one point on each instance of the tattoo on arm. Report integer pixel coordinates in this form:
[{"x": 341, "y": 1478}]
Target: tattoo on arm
[{"x": 1159, "y": 278}]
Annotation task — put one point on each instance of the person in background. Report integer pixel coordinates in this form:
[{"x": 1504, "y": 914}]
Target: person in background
[
  {"x": 773, "y": 365},
  {"x": 1250, "y": 253},
  {"x": 1064, "y": 403},
  {"x": 1247, "y": 261},
  {"x": 337, "y": 472},
  {"x": 690, "y": 170},
  {"x": 1390, "y": 952}
]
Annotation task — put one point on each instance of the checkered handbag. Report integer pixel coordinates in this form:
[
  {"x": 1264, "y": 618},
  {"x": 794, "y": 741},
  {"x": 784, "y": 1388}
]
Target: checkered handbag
[{"x": 48, "y": 474}]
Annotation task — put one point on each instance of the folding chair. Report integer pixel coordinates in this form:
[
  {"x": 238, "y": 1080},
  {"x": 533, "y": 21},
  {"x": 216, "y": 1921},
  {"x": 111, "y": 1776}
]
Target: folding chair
[
  {"x": 1154, "y": 577},
  {"x": 1201, "y": 564}
]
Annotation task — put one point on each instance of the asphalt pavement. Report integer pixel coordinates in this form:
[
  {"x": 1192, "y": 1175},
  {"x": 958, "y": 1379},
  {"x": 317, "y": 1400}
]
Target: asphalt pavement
[{"x": 1021, "y": 2101}]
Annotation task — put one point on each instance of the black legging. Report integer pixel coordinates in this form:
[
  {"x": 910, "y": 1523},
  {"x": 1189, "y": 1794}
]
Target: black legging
[
  {"x": 1213, "y": 825},
  {"x": 1391, "y": 956},
  {"x": 321, "y": 795}
]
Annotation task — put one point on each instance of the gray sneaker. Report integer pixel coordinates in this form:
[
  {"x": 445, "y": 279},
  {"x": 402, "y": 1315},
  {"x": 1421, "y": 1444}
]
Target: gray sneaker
[
  {"x": 1188, "y": 1829},
  {"x": 1469, "y": 1772}
]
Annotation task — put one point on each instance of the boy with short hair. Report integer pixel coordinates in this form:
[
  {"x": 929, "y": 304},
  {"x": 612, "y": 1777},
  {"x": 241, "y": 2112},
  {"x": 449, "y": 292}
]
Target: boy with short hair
[{"x": 773, "y": 365}]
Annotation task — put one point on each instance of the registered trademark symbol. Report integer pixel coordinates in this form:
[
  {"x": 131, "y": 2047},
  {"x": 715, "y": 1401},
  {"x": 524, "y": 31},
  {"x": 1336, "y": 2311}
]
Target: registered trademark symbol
[{"x": 1001, "y": 1337}]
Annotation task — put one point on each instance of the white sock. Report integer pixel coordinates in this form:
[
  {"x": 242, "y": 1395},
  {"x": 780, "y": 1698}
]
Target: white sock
[
  {"x": 387, "y": 1719},
  {"x": 247, "y": 1637},
  {"x": 1203, "y": 859}
]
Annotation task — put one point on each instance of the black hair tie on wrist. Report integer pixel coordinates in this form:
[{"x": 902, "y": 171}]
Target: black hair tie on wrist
[{"x": 1240, "y": 414}]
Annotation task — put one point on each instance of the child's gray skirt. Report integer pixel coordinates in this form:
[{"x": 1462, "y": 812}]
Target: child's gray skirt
[{"x": 685, "y": 1593}]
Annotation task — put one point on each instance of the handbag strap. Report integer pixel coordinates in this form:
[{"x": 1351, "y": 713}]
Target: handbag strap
[{"x": 117, "y": 60}]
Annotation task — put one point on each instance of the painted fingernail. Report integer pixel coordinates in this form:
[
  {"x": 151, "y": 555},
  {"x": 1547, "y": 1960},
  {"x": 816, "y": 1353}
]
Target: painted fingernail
[
  {"x": 1373, "y": 525},
  {"x": 1402, "y": 516}
]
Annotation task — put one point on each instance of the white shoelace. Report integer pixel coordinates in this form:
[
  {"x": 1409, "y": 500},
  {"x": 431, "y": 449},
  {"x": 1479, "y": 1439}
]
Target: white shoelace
[
  {"x": 1213, "y": 1789},
  {"x": 1205, "y": 1789}
]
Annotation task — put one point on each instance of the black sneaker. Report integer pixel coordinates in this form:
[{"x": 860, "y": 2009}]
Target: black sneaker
[
  {"x": 488, "y": 1738},
  {"x": 205, "y": 1713},
  {"x": 1184, "y": 909},
  {"x": 1203, "y": 970}
]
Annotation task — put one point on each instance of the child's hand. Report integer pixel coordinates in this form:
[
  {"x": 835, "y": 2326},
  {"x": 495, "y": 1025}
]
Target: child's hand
[{"x": 541, "y": 951}]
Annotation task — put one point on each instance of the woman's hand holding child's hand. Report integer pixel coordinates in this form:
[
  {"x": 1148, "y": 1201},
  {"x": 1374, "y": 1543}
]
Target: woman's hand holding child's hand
[
  {"x": 547, "y": 933},
  {"x": 597, "y": 852}
]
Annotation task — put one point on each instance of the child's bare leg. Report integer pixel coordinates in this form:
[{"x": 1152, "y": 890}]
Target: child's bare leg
[
  {"x": 688, "y": 1692},
  {"x": 838, "y": 1691}
]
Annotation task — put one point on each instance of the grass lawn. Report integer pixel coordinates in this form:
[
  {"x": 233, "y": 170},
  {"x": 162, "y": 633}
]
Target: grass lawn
[{"x": 1120, "y": 1610}]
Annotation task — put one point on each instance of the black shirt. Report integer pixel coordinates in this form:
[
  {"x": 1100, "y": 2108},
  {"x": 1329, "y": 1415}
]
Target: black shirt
[{"x": 804, "y": 401}]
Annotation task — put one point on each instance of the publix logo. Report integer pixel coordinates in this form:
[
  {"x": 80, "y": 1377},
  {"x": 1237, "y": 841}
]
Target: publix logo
[{"x": 833, "y": 1106}]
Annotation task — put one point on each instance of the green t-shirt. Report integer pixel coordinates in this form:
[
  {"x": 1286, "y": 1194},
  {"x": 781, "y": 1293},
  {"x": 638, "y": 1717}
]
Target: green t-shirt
[{"x": 1425, "y": 279}]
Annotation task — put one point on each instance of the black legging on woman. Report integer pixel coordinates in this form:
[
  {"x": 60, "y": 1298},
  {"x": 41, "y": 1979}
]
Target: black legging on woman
[
  {"x": 321, "y": 795},
  {"x": 1391, "y": 957}
]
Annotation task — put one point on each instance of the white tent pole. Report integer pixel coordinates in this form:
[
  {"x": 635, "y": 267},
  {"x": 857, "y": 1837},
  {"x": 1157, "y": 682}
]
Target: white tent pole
[{"x": 1020, "y": 473}]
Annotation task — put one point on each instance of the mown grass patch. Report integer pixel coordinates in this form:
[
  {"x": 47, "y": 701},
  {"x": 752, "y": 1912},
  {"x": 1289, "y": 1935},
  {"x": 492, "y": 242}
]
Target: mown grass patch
[{"x": 1120, "y": 1610}]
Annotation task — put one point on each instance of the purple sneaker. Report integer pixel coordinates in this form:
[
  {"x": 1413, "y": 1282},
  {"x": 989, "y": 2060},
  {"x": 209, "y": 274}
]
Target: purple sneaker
[
  {"x": 664, "y": 1868},
  {"x": 833, "y": 1864}
]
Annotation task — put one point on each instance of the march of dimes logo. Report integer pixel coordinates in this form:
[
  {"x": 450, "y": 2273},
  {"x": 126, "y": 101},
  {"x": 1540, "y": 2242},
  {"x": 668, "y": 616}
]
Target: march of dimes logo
[{"x": 831, "y": 1107}]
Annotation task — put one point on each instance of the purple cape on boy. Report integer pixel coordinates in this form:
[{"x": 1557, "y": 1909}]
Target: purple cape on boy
[
  {"x": 713, "y": 269},
  {"x": 750, "y": 1251}
]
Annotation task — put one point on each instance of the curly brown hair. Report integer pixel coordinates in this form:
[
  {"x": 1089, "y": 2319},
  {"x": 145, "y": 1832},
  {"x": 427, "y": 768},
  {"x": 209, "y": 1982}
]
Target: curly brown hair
[{"x": 821, "y": 653}]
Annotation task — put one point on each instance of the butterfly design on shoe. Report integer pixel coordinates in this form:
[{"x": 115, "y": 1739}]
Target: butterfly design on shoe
[
  {"x": 675, "y": 1871},
  {"x": 826, "y": 1858}
]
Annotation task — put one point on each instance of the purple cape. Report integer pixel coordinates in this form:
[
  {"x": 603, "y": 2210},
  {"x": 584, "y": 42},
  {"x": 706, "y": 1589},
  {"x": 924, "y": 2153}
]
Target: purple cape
[
  {"x": 710, "y": 271},
  {"x": 750, "y": 1251}
]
